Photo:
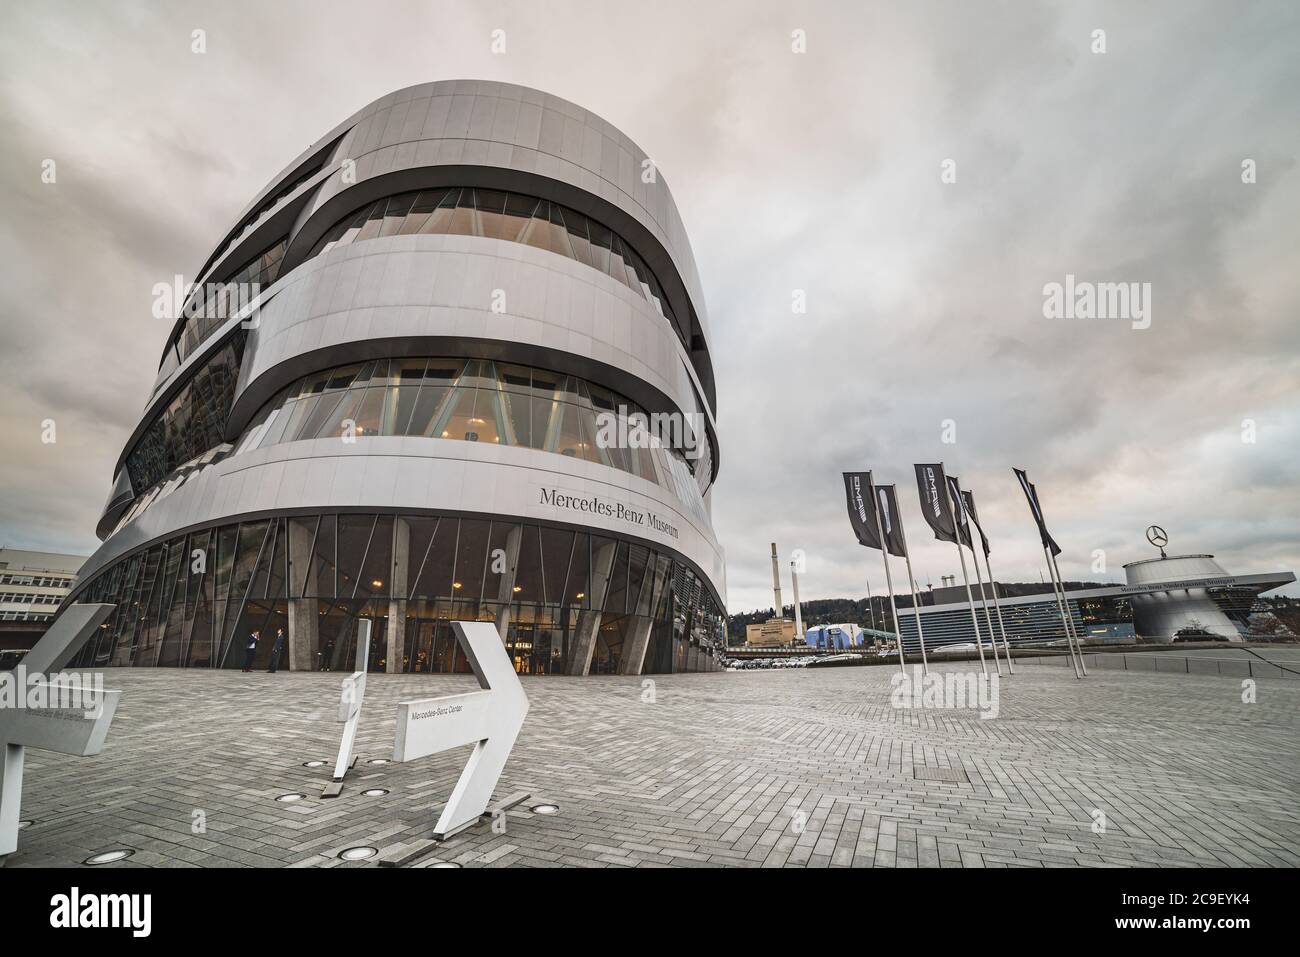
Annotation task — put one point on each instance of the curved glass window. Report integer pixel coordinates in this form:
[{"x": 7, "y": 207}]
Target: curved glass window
[
  {"x": 642, "y": 610},
  {"x": 474, "y": 400},
  {"x": 513, "y": 217},
  {"x": 207, "y": 309},
  {"x": 192, "y": 423}
]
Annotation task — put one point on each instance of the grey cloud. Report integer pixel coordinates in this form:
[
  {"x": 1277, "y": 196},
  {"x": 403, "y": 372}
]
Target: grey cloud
[{"x": 818, "y": 172}]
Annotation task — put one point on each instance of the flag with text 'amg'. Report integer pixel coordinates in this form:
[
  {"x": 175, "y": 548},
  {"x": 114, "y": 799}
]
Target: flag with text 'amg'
[
  {"x": 932, "y": 487},
  {"x": 1036, "y": 509},
  {"x": 862, "y": 516}
]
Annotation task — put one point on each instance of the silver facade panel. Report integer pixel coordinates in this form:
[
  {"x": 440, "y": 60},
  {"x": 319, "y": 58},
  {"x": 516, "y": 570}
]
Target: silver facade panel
[
  {"x": 556, "y": 139},
  {"x": 375, "y": 141},
  {"x": 415, "y": 475},
  {"x": 425, "y": 288}
]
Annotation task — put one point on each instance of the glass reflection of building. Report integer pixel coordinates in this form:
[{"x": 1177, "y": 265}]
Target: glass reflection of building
[{"x": 374, "y": 443}]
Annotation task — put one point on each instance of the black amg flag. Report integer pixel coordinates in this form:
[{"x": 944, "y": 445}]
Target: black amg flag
[
  {"x": 959, "y": 510},
  {"x": 862, "y": 515},
  {"x": 969, "y": 500},
  {"x": 890, "y": 520},
  {"x": 934, "y": 503},
  {"x": 1031, "y": 494}
]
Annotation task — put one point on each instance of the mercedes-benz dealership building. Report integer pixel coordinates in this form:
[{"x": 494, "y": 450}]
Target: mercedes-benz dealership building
[
  {"x": 1170, "y": 598},
  {"x": 450, "y": 294}
]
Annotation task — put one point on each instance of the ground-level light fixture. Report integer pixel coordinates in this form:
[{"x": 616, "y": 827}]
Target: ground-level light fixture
[
  {"x": 358, "y": 853},
  {"x": 547, "y": 809},
  {"x": 290, "y": 798},
  {"x": 108, "y": 857},
  {"x": 375, "y": 792}
]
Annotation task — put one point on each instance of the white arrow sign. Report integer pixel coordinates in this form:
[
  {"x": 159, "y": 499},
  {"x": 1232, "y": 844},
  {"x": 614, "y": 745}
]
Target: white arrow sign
[
  {"x": 489, "y": 719},
  {"x": 65, "y": 730},
  {"x": 354, "y": 692}
]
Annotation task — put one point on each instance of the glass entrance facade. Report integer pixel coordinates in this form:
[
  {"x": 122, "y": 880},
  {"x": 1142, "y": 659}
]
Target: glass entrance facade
[{"x": 567, "y": 601}]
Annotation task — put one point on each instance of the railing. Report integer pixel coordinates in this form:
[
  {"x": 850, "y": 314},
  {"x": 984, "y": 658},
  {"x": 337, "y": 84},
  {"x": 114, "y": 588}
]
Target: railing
[{"x": 1243, "y": 667}]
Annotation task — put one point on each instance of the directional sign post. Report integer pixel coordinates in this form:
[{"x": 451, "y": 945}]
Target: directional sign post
[
  {"x": 65, "y": 730},
  {"x": 489, "y": 719},
  {"x": 354, "y": 691}
]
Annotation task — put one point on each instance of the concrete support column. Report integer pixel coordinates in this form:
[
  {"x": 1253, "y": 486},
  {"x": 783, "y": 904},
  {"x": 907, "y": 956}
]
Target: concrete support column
[
  {"x": 633, "y": 660},
  {"x": 304, "y": 613},
  {"x": 506, "y": 586},
  {"x": 583, "y": 645},
  {"x": 304, "y": 633},
  {"x": 395, "y": 631},
  {"x": 638, "y": 641}
]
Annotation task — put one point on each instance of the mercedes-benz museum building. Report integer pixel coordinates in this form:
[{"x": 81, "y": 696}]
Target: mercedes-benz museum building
[{"x": 451, "y": 293}]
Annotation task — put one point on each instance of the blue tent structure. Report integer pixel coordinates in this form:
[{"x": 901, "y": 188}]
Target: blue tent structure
[{"x": 834, "y": 636}]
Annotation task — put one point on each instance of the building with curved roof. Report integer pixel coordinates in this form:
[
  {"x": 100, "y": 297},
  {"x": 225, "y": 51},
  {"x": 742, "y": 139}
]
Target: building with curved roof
[
  {"x": 1170, "y": 598},
  {"x": 451, "y": 363}
]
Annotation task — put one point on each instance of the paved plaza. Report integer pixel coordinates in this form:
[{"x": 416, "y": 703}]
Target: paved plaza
[{"x": 805, "y": 768}]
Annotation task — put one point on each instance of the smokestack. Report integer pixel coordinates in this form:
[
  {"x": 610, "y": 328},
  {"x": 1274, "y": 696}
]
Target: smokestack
[
  {"x": 776, "y": 582},
  {"x": 798, "y": 615}
]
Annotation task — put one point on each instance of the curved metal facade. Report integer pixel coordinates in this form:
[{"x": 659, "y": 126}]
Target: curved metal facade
[
  {"x": 589, "y": 560},
  {"x": 1184, "y": 607}
]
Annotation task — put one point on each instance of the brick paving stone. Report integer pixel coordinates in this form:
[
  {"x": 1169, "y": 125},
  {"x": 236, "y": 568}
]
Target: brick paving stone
[{"x": 717, "y": 772}]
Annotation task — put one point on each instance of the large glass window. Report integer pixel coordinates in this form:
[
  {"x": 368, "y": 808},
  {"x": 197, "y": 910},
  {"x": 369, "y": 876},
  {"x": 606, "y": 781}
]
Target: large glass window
[
  {"x": 513, "y": 217},
  {"x": 192, "y": 423},
  {"x": 209, "y": 306},
  {"x": 552, "y": 592},
  {"x": 474, "y": 400}
]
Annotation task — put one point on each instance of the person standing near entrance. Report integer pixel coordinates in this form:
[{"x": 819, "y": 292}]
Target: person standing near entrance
[
  {"x": 251, "y": 649},
  {"x": 277, "y": 647}
]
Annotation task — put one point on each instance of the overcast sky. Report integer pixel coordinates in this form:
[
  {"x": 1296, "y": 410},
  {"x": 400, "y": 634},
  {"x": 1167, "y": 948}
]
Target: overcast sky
[{"x": 817, "y": 171}]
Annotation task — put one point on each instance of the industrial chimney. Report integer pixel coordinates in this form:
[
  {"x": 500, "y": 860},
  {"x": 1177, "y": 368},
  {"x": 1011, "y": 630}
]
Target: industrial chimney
[
  {"x": 776, "y": 583},
  {"x": 798, "y": 615}
]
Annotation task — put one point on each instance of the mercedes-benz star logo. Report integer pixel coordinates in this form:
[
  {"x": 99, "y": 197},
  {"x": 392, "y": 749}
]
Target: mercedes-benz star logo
[{"x": 1157, "y": 537}]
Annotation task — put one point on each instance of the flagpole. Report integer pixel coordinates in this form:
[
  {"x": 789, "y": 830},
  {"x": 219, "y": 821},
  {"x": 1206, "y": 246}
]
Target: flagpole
[
  {"x": 1069, "y": 618},
  {"x": 871, "y": 609},
  {"x": 988, "y": 619},
  {"x": 889, "y": 580},
  {"x": 970, "y": 599},
  {"x": 916, "y": 601},
  {"x": 968, "y": 498},
  {"x": 1060, "y": 607},
  {"x": 1066, "y": 617},
  {"x": 998, "y": 605},
  {"x": 1049, "y": 557}
]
